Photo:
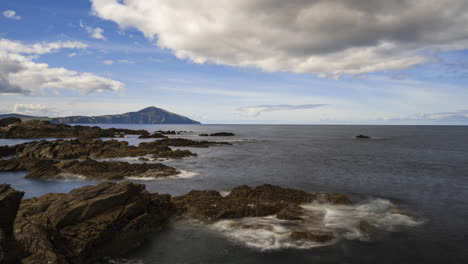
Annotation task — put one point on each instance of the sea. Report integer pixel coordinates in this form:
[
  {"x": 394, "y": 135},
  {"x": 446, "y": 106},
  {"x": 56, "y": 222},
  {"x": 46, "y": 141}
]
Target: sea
[{"x": 411, "y": 182}]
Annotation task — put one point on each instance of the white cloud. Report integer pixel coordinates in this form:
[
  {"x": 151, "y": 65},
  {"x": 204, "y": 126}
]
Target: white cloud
[
  {"x": 96, "y": 33},
  {"x": 11, "y": 14},
  {"x": 257, "y": 110},
  {"x": 20, "y": 74},
  {"x": 34, "y": 109},
  {"x": 325, "y": 37},
  {"x": 108, "y": 62}
]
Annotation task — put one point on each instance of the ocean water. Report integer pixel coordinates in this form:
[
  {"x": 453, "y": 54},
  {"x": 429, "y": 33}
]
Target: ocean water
[{"x": 421, "y": 170}]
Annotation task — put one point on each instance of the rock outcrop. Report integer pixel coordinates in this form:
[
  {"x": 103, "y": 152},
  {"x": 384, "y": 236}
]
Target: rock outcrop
[
  {"x": 219, "y": 134},
  {"x": 89, "y": 223},
  {"x": 8, "y": 121},
  {"x": 89, "y": 169},
  {"x": 45, "y": 129},
  {"x": 245, "y": 201},
  {"x": 9, "y": 203}
]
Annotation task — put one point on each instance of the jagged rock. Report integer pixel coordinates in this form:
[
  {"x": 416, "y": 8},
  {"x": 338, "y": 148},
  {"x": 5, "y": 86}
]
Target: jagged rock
[
  {"x": 246, "y": 201},
  {"x": 219, "y": 134},
  {"x": 89, "y": 168},
  {"x": 45, "y": 129},
  {"x": 9, "y": 204},
  {"x": 173, "y": 154},
  {"x": 89, "y": 223},
  {"x": 9, "y": 120},
  {"x": 97, "y": 148}
]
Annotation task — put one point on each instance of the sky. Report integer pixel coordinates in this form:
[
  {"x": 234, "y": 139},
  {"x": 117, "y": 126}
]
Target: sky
[{"x": 239, "y": 61}]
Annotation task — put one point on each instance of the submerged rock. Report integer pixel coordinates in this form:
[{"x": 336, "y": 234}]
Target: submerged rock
[
  {"x": 219, "y": 134},
  {"x": 89, "y": 223},
  {"x": 9, "y": 204}
]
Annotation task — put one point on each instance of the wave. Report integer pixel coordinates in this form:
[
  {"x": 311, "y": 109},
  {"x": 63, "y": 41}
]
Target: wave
[
  {"x": 183, "y": 174},
  {"x": 355, "y": 222}
]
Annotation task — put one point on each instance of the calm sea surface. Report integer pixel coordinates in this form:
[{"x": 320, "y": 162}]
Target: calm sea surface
[{"x": 421, "y": 169}]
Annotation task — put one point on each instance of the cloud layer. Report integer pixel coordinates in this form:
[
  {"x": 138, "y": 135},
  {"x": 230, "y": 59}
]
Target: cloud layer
[
  {"x": 257, "y": 110},
  {"x": 460, "y": 116},
  {"x": 325, "y": 37},
  {"x": 20, "y": 74}
]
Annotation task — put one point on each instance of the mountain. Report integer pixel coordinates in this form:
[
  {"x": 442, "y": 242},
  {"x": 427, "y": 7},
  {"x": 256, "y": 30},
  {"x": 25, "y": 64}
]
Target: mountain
[
  {"x": 24, "y": 117},
  {"x": 149, "y": 115}
]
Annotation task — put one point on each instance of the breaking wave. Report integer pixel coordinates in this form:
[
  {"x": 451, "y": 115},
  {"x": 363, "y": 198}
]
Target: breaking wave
[
  {"x": 355, "y": 222},
  {"x": 183, "y": 174}
]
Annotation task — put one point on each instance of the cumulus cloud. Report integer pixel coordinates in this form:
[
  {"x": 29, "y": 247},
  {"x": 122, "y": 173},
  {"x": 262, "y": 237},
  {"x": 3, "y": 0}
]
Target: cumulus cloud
[
  {"x": 326, "y": 37},
  {"x": 257, "y": 110},
  {"x": 34, "y": 109},
  {"x": 11, "y": 14},
  {"x": 96, "y": 33},
  {"x": 20, "y": 74}
]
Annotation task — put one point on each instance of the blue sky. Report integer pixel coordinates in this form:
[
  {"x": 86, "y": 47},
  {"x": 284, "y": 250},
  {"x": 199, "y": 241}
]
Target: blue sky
[{"x": 263, "y": 71}]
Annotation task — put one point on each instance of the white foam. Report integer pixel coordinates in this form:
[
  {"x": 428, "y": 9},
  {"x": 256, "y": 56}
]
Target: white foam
[
  {"x": 224, "y": 193},
  {"x": 270, "y": 233},
  {"x": 183, "y": 174}
]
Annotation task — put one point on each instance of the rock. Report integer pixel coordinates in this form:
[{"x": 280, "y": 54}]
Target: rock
[
  {"x": 143, "y": 159},
  {"x": 362, "y": 137},
  {"x": 168, "y": 132},
  {"x": 314, "y": 235},
  {"x": 8, "y": 121},
  {"x": 173, "y": 154},
  {"x": 45, "y": 129},
  {"x": 365, "y": 227},
  {"x": 89, "y": 168},
  {"x": 97, "y": 148},
  {"x": 9, "y": 203},
  {"x": 245, "y": 201},
  {"x": 219, "y": 134},
  {"x": 89, "y": 223},
  {"x": 291, "y": 212}
]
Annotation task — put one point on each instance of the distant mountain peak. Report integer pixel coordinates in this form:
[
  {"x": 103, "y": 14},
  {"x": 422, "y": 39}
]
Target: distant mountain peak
[{"x": 148, "y": 115}]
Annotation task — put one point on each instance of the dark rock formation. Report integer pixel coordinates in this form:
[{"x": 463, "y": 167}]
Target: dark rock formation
[
  {"x": 169, "y": 132},
  {"x": 219, "y": 134},
  {"x": 245, "y": 201},
  {"x": 76, "y": 148},
  {"x": 89, "y": 168},
  {"x": 45, "y": 129},
  {"x": 154, "y": 135},
  {"x": 9, "y": 120},
  {"x": 362, "y": 137},
  {"x": 89, "y": 223},
  {"x": 9, "y": 203}
]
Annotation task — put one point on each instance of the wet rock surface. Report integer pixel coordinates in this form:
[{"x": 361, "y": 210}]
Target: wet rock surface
[
  {"x": 45, "y": 129},
  {"x": 9, "y": 203},
  {"x": 89, "y": 168},
  {"x": 89, "y": 223},
  {"x": 245, "y": 201}
]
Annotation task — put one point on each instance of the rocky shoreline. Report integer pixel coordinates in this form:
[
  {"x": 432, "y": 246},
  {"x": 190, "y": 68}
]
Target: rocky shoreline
[{"x": 110, "y": 219}]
